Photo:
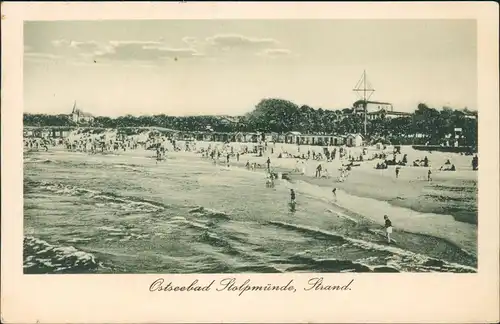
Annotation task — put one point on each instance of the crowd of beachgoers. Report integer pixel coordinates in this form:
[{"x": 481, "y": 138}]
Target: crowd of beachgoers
[{"x": 342, "y": 158}]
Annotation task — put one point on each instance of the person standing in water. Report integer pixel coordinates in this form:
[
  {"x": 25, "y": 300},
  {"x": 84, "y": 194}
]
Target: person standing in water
[
  {"x": 270, "y": 181},
  {"x": 388, "y": 228},
  {"x": 292, "y": 196}
]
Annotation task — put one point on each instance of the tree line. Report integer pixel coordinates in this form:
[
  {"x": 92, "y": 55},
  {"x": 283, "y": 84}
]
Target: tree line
[{"x": 428, "y": 125}]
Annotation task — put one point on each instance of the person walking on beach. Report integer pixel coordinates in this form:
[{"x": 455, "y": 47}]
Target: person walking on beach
[
  {"x": 318, "y": 171},
  {"x": 397, "y": 172},
  {"x": 429, "y": 175},
  {"x": 268, "y": 162},
  {"x": 475, "y": 163},
  {"x": 238, "y": 156},
  {"x": 334, "y": 191},
  {"x": 426, "y": 162},
  {"x": 388, "y": 228}
]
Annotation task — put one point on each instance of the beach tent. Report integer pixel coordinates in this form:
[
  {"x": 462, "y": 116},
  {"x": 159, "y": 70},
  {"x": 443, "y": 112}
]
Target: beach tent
[
  {"x": 252, "y": 137},
  {"x": 338, "y": 140},
  {"x": 292, "y": 137},
  {"x": 239, "y": 137},
  {"x": 354, "y": 140},
  {"x": 272, "y": 136}
]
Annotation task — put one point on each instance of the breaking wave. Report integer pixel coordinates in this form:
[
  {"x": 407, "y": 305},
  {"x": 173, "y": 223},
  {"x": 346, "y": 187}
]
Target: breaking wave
[
  {"x": 123, "y": 202},
  {"x": 41, "y": 257},
  {"x": 206, "y": 212},
  {"x": 397, "y": 259}
]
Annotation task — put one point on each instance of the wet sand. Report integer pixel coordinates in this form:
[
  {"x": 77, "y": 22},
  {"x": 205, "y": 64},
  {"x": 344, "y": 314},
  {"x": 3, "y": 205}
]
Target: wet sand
[{"x": 449, "y": 193}]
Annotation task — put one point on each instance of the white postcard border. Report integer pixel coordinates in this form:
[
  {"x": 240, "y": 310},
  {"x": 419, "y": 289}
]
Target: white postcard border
[{"x": 125, "y": 298}]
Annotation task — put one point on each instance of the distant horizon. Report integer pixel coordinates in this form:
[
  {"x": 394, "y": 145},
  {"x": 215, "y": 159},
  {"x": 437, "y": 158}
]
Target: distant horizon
[{"x": 225, "y": 67}]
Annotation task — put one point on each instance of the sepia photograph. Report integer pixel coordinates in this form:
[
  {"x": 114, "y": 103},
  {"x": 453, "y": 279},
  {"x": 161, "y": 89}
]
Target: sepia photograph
[
  {"x": 230, "y": 162},
  {"x": 250, "y": 146}
]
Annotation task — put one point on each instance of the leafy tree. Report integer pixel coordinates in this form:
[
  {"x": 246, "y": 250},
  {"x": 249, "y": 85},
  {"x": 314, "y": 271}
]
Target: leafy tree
[{"x": 281, "y": 116}]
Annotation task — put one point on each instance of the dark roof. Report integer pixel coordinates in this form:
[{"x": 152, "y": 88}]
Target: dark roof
[{"x": 372, "y": 102}]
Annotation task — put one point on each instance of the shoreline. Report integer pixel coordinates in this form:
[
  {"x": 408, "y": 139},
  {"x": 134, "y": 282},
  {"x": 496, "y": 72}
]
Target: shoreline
[
  {"x": 408, "y": 191},
  {"x": 404, "y": 194},
  {"x": 412, "y": 221}
]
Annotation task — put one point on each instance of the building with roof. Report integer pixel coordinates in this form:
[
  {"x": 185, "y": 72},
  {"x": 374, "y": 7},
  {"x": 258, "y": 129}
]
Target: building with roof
[
  {"x": 386, "y": 114},
  {"x": 377, "y": 109},
  {"x": 325, "y": 139},
  {"x": 80, "y": 117},
  {"x": 371, "y": 106}
]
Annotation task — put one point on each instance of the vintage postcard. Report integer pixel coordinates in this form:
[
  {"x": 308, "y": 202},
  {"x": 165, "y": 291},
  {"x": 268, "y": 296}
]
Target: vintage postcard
[{"x": 194, "y": 162}]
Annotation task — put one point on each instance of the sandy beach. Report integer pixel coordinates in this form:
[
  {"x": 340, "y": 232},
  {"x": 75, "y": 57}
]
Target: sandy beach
[{"x": 450, "y": 193}]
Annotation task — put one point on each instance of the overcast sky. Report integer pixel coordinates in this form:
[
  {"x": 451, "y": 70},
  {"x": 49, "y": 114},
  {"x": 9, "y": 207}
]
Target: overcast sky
[{"x": 194, "y": 67}]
